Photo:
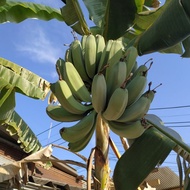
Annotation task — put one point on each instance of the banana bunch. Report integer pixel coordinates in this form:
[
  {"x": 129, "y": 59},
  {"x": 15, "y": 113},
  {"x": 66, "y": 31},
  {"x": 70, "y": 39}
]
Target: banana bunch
[{"x": 99, "y": 77}]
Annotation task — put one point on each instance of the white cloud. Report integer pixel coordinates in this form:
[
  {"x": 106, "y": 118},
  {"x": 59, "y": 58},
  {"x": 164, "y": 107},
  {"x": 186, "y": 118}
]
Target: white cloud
[{"x": 37, "y": 45}]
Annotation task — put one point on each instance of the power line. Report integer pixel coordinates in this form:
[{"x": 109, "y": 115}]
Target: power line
[
  {"x": 176, "y": 115},
  {"x": 48, "y": 129},
  {"x": 178, "y": 126},
  {"x": 176, "y": 122},
  {"x": 174, "y": 107},
  {"x": 53, "y": 141}
]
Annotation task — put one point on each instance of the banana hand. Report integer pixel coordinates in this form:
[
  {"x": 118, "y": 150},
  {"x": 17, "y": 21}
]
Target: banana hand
[
  {"x": 75, "y": 83},
  {"x": 58, "y": 113},
  {"x": 65, "y": 97},
  {"x": 116, "y": 105},
  {"x": 80, "y": 130}
]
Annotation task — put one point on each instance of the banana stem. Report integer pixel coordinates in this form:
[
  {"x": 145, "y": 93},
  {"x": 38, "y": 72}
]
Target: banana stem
[{"x": 102, "y": 169}]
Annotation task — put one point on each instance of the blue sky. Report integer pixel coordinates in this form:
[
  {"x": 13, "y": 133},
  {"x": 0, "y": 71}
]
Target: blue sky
[{"x": 36, "y": 45}]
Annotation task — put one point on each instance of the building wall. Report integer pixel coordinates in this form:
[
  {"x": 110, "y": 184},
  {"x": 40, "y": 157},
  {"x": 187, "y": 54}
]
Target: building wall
[{"x": 11, "y": 152}]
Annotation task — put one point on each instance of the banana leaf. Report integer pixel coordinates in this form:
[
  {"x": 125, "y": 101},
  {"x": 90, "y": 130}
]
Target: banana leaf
[
  {"x": 14, "y": 11},
  {"x": 73, "y": 17},
  {"x": 145, "y": 19},
  {"x": 186, "y": 44},
  {"x": 7, "y": 102},
  {"x": 146, "y": 152},
  {"x": 96, "y": 11},
  {"x": 181, "y": 148},
  {"x": 16, "y": 126},
  {"x": 186, "y": 170},
  {"x": 113, "y": 17},
  {"x": 2, "y": 2},
  {"x": 171, "y": 27},
  {"x": 23, "y": 80}
]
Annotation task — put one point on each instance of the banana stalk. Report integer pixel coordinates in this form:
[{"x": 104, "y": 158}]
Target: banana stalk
[{"x": 102, "y": 170}]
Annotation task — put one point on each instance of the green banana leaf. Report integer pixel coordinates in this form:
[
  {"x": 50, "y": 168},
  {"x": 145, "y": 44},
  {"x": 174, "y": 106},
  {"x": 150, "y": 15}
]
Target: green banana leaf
[
  {"x": 2, "y": 2},
  {"x": 18, "y": 128},
  {"x": 119, "y": 18},
  {"x": 145, "y": 19},
  {"x": 147, "y": 151},
  {"x": 96, "y": 11},
  {"x": 7, "y": 102},
  {"x": 23, "y": 80},
  {"x": 113, "y": 17},
  {"x": 186, "y": 170},
  {"x": 186, "y": 44},
  {"x": 170, "y": 28},
  {"x": 73, "y": 17},
  {"x": 14, "y": 11},
  {"x": 181, "y": 148}
]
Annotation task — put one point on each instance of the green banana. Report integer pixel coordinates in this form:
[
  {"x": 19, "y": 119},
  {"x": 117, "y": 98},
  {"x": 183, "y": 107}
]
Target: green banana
[
  {"x": 117, "y": 104},
  {"x": 135, "y": 67},
  {"x": 66, "y": 98},
  {"x": 82, "y": 143},
  {"x": 138, "y": 109},
  {"x": 78, "y": 59},
  {"x": 79, "y": 130},
  {"x": 58, "y": 113},
  {"x": 115, "y": 53},
  {"x": 135, "y": 88},
  {"x": 130, "y": 130},
  {"x": 99, "y": 92},
  {"x": 115, "y": 77},
  {"x": 68, "y": 55},
  {"x": 60, "y": 68},
  {"x": 90, "y": 55},
  {"x": 83, "y": 42},
  {"x": 99, "y": 47},
  {"x": 142, "y": 70},
  {"x": 130, "y": 57},
  {"x": 104, "y": 57},
  {"x": 75, "y": 83}
]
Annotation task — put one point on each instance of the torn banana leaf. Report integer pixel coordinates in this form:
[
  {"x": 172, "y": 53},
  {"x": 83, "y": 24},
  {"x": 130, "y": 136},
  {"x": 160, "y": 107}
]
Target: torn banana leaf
[
  {"x": 7, "y": 102},
  {"x": 96, "y": 11},
  {"x": 147, "y": 151},
  {"x": 14, "y": 11},
  {"x": 170, "y": 28},
  {"x": 23, "y": 80},
  {"x": 16, "y": 126},
  {"x": 73, "y": 17},
  {"x": 119, "y": 17}
]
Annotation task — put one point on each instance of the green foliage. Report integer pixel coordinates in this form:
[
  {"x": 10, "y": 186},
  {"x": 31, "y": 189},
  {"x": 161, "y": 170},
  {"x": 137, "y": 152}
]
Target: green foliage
[
  {"x": 16, "y": 126},
  {"x": 170, "y": 28},
  {"x": 76, "y": 18},
  {"x": 23, "y": 80},
  {"x": 7, "y": 102},
  {"x": 141, "y": 158},
  {"x": 14, "y": 11}
]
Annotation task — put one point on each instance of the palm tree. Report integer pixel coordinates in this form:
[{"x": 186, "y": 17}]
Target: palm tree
[{"x": 142, "y": 24}]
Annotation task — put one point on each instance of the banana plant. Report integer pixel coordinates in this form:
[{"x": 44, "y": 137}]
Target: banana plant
[
  {"x": 135, "y": 22},
  {"x": 15, "y": 79}
]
